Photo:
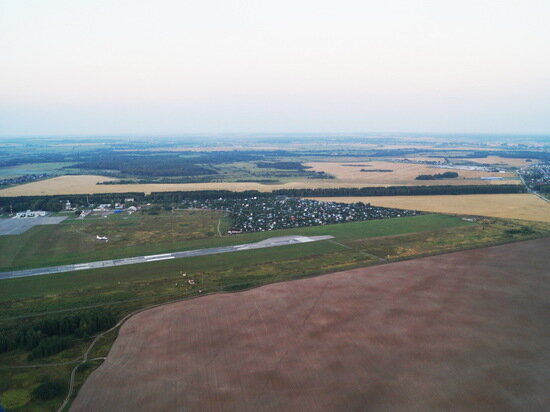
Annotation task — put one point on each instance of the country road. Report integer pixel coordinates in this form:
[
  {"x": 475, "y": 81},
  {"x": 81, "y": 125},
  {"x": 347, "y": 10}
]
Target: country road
[{"x": 531, "y": 190}]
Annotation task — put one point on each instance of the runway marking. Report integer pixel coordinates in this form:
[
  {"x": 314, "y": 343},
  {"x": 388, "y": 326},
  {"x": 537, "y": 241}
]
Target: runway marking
[
  {"x": 160, "y": 258},
  {"x": 157, "y": 256}
]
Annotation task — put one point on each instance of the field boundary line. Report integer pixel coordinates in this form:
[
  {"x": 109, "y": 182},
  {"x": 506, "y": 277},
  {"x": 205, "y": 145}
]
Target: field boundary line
[{"x": 360, "y": 251}]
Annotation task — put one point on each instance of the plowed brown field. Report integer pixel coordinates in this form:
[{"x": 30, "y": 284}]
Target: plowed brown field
[{"x": 462, "y": 331}]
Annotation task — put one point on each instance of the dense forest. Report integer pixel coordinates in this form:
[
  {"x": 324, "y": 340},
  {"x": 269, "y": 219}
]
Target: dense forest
[
  {"x": 50, "y": 336},
  {"x": 159, "y": 165},
  {"x": 170, "y": 163}
]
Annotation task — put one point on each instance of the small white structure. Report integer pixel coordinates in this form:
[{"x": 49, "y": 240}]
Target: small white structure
[
  {"x": 105, "y": 238},
  {"x": 132, "y": 209}
]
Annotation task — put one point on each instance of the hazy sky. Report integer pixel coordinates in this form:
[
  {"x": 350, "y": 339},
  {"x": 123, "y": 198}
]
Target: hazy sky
[{"x": 111, "y": 67}]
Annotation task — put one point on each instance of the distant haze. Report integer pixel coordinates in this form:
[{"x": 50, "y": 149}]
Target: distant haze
[{"x": 213, "y": 66}]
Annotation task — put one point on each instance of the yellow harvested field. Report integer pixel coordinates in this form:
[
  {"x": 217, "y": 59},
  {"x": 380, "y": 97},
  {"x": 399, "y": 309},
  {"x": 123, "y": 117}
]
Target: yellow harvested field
[
  {"x": 402, "y": 174},
  {"x": 347, "y": 176},
  {"x": 512, "y": 206},
  {"x": 495, "y": 160},
  {"x": 86, "y": 184}
]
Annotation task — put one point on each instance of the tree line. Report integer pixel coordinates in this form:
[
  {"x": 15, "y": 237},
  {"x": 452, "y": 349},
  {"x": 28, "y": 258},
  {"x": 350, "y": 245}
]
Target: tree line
[
  {"x": 403, "y": 190},
  {"x": 56, "y": 203},
  {"x": 445, "y": 175}
]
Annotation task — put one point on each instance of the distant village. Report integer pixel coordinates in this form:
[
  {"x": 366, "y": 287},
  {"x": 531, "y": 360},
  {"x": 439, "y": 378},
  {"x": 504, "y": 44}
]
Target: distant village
[
  {"x": 19, "y": 180},
  {"x": 263, "y": 214}
]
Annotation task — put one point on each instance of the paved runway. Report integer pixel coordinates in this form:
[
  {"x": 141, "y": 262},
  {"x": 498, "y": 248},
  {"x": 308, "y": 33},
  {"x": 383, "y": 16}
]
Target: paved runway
[{"x": 272, "y": 242}]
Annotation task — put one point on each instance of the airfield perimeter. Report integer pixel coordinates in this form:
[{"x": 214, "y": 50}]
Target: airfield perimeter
[
  {"x": 462, "y": 331},
  {"x": 271, "y": 242}
]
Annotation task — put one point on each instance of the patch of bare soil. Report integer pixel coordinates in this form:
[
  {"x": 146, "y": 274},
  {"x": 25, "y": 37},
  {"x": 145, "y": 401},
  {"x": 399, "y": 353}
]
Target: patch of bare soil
[{"x": 462, "y": 331}]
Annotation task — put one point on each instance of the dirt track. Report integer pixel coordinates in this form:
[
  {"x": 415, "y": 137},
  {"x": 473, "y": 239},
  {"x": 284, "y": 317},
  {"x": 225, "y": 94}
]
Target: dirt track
[{"x": 462, "y": 331}]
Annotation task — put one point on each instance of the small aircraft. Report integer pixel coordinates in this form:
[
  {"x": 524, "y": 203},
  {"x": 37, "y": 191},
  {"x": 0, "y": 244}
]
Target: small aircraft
[{"x": 105, "y": 238}]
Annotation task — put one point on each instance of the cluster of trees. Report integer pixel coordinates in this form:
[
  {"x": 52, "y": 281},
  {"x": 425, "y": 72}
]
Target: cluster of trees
[
  {"x": 524, "y": 230},
  {"x": 445, "y": 175},
  {"x": 545, "y": 188},
  {"x": 50, "y": 336},
  {"x": 50, "y": 346}
]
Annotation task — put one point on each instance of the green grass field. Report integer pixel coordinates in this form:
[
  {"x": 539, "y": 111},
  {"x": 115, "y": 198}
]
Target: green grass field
[
  {"x": 33, "y": 168},
  {"x": 128, "y": 288},
  {"x": 347, "y": 232},
  {"x": 75, "y": 240}
]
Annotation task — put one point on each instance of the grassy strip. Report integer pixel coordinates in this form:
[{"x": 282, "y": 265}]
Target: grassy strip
[{"x": 57, "y": 245}]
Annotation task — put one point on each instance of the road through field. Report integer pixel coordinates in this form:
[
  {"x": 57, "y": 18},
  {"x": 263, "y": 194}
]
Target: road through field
[
  {"x": 462, "y": 331},
  {"x": 271, "y": 242}
]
